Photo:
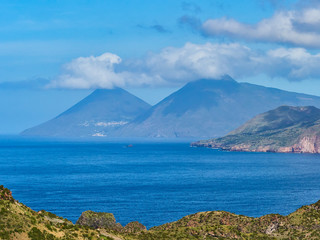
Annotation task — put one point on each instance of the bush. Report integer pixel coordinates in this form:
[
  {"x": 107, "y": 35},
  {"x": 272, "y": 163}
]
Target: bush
[{"x": 36, "y": 234}]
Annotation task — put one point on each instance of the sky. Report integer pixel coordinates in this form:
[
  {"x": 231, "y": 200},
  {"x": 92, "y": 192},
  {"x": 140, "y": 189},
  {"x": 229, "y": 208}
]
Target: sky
[{"x": 54, "y": 53}]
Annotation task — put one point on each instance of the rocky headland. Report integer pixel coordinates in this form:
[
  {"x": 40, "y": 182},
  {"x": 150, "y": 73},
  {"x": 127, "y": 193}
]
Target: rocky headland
[
  {"x": 285, "y": 129},
  {"x": 17, "y": 221}
]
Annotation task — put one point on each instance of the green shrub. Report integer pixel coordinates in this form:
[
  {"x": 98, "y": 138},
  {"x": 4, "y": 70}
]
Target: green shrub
[{"x": 36, "y": 234}]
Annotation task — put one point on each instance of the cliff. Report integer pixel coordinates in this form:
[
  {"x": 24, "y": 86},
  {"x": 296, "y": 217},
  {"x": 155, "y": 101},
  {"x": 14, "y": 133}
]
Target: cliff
[
  {"x": 17, "y": 221},
  {"x": 284, "y": 129}
]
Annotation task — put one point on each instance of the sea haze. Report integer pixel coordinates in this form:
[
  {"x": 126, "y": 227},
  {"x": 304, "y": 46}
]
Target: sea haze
[{"x": 154, "y": 183}]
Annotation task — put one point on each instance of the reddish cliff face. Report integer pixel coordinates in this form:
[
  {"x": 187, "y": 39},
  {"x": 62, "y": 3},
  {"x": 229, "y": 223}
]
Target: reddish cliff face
[{"x": 307, "y": 144}]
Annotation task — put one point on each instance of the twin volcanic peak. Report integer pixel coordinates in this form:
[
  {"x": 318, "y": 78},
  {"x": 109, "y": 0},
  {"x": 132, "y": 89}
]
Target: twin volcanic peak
[
  {"x": 201, "y": 109},
  {"x": 284, "y": 129}
]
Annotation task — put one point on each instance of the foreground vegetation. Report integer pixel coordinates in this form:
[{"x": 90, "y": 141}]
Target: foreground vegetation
[{"x": 17, "y": 221}]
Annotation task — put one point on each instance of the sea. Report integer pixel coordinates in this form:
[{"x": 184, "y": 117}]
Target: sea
[{"x": 154, "y": 182}]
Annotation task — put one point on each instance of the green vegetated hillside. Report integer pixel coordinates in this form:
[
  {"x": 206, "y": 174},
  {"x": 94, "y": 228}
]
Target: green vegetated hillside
[
  {"x": 17, "y": 221},
  {"x": 284, "y": 129}
]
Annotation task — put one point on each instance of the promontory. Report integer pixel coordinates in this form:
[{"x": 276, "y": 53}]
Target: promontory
[{"x": 284, "y": 129}]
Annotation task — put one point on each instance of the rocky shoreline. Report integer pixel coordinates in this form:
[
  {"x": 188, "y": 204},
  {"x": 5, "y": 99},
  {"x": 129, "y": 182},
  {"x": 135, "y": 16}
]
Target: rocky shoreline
[{"x": 308, "y": 144}]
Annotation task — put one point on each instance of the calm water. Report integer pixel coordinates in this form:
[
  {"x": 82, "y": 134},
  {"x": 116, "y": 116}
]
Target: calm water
[{"x": 154, "y": 183}]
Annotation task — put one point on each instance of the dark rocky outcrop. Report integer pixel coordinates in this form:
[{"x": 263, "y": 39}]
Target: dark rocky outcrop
[
  {"x": 5, "y": 194},
  {"x": 134, "y": 227},
  {"x": 107, "y": 221},
  {"x": 98, "y": 220}
]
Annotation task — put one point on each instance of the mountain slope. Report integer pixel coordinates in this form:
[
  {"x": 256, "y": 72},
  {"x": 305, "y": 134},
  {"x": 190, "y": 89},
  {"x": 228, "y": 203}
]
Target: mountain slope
[
  {"x": 285, "y": 129},
  {"x": 99, "y": 114},
  {"x": 210, "y": 108}
]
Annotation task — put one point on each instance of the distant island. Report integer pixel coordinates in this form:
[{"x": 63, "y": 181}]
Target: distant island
[
  {"x": 18, "y": 221},
  {"x": 201, "y": 109},
  {"x": 285, "y": 129}
]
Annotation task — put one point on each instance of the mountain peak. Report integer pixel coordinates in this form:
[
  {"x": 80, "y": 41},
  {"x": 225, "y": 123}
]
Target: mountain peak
[
  {"x": 211, "y": 108},
  {"x": 108, "y": 91},
  {"x": 226, "y": 79},
  {"x": 99, "y": 114}
]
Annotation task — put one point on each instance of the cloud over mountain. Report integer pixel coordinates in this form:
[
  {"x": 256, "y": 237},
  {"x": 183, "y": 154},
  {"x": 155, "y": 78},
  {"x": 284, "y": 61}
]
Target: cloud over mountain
[
  {"x": 175, "y": 66},
  {"x": 90, "y": 72}
]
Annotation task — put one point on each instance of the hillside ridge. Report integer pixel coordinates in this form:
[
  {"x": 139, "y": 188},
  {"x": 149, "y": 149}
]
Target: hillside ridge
[{"x": 17, "y": 221}]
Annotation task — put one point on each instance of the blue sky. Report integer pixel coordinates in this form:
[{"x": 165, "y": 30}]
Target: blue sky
[
  {"x": 51, "y": 51},
  {"x": 51, "y": 33}
]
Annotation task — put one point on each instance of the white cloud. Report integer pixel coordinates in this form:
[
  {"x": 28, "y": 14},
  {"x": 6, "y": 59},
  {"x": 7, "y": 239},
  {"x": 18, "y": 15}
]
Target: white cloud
[
  {"x": 194, "y": 61},
  {"x": 175, "y": 66},
  {"x": 292, "y": 63},
  {"x": 296, "y": 27},
  {"x": 90, "y": 72}
]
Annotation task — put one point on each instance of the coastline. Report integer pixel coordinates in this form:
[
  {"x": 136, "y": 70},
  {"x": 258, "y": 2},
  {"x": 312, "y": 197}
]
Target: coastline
[{"x": 261, "y": 149}]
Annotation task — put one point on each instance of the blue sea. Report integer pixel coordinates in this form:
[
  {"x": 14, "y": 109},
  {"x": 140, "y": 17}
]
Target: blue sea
[{"x": 154, "y": 183}]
